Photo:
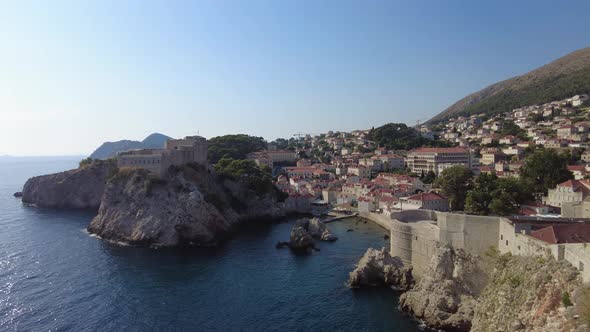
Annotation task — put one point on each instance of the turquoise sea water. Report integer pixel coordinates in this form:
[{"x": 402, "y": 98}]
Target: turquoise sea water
[{"x": 55, "y": 277}]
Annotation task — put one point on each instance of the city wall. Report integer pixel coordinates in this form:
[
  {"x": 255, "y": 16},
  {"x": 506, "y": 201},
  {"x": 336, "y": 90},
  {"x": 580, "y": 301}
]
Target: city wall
[{"x": 415, "y": 234}]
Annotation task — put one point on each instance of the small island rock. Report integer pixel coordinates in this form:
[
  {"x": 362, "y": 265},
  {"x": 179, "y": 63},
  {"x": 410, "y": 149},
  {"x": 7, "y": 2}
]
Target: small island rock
[
  {"x": 379, "y": 268},
  {"x": 300, "y": 238}
]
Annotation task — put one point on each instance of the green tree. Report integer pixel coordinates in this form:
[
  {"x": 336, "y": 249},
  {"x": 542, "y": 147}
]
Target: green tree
[
  {"x": 234, "y": 146},
  {"x": 510, "y": 128},
  {"x": 538, "y": 117},
  {"x": 544, "y": 169},
  {"x": 518, "y": 189},
  {"x": 455, "y": 182},
  {"x": 479, "y": 198},
  {"x": 246, "y": 172},
  {"x": 398, "y": 136},
  {"x": 428, "y": 177},
  {"x": 478, "y": 202},
  {"x": 503, "y": 204},
  {"x": 281, "y": 143},
  {"x": 499, "y": 196}
]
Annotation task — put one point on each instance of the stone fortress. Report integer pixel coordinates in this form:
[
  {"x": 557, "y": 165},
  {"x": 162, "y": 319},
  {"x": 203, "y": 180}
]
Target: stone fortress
[
  {"x": 157, "y": 161},
  {"x": 416, "y": 233}
]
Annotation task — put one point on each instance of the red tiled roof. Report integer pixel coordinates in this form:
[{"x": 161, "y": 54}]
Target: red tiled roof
[
  {"x": 525, "y": 211},
  {"x": 564, "y": 233},
  {"x": 576, "y": 185},
  {"x": 300, "y": 169},
  {"x": 426, "y": 197},
  {"x": 486, "y": 168},
  {"x": 440, "y": 150},
  {"x": 579, "y": 168},
  {"x": 388, "y": 199}
]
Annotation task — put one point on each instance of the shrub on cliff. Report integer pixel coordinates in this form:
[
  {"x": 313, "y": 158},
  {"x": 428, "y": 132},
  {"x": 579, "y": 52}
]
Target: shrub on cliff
[
  {"x": 233, "y": 146},
  {"x": 85, "y": 162},
  {"x": 247, "y": 173}
]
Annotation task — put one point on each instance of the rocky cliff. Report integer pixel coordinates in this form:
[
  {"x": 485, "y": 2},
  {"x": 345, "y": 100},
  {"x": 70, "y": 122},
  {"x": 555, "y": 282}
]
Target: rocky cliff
[
  {"x": 189, "y": 206},
  {"x": 79, "y": 188},
  {"x": 379, "y": 268},
  {"x": 460, "y": 292},
  {"x": 535, "y": 294},
  {"x": 445, "y": 295}
]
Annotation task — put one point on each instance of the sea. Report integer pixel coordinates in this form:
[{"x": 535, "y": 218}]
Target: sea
[{"x": 56, "y": 277}]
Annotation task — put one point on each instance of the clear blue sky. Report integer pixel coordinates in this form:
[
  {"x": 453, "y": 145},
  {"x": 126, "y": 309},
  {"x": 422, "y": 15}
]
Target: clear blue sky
[{"x": 75, "y": 74}]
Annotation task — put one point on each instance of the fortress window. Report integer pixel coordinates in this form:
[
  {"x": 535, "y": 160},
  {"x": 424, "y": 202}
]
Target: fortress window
[
  {"x": 501, "y": 236},
  {"x": 506, "y": 242}
]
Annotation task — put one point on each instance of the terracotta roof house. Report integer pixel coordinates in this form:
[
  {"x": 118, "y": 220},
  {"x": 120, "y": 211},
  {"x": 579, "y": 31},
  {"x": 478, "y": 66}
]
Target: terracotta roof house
[
  {"x": 429, "y": 201},
  {"x": 570, "y": 191},
  {"x": 564, "y": 233}
]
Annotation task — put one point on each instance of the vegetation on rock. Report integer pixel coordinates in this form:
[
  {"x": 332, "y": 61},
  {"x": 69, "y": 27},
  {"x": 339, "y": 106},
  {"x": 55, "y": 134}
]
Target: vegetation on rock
[
  {"x": 233, "y": 146},
  {"x": 527, "y": 293},
  {"x": 246, "y": 172}
]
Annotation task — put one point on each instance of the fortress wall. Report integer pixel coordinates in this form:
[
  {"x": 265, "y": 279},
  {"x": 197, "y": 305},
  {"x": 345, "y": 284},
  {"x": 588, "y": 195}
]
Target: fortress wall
[
  {"x": 578, "y": 254},
  {"x": 474, "y": 234},
  {"x": 401, "y": 241},
  {"x": 414, "y": 243},
  {"x": 414, "y": 215},
  {"x": 380, "y": 219},
  {"x": 520, "y": 244}
]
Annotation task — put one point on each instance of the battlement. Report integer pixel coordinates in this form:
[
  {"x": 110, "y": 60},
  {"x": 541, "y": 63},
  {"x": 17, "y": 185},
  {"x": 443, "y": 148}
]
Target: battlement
[{"x": 176, "y": 152}]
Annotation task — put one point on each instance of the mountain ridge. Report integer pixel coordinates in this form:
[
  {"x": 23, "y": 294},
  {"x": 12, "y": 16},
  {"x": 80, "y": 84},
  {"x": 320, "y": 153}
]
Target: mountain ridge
[
  {"x": 562, "y": 78},
  {"x": 110, "y": 149}
]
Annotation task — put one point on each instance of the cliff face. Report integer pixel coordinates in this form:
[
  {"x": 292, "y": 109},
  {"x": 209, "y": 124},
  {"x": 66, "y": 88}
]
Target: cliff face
[
  {"x": 445, "y": 296},
  {"x": 460, "y": 292},
  {"x": 379, "y": 268},
  {"x": 187, "y": 207},
  {"x": 530, "y": 294},
  {"x": 80, "y": 188}
]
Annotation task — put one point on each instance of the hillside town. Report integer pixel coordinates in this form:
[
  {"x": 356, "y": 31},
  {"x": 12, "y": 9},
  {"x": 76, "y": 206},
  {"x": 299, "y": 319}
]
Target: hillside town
[{"x": 346, "y": 171}]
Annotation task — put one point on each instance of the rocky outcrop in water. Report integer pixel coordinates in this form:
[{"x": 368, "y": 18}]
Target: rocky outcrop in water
[
  {"x": 303, "y": 233},
  {"x": 300, "y": 238},
  {"x": 80, "y": 188},
  {"x": 318, "y": 229},
  {"x": 188, "y": 207},
  {"x": 445, "y": 295},
  {"x": 379, "y": 268}
]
